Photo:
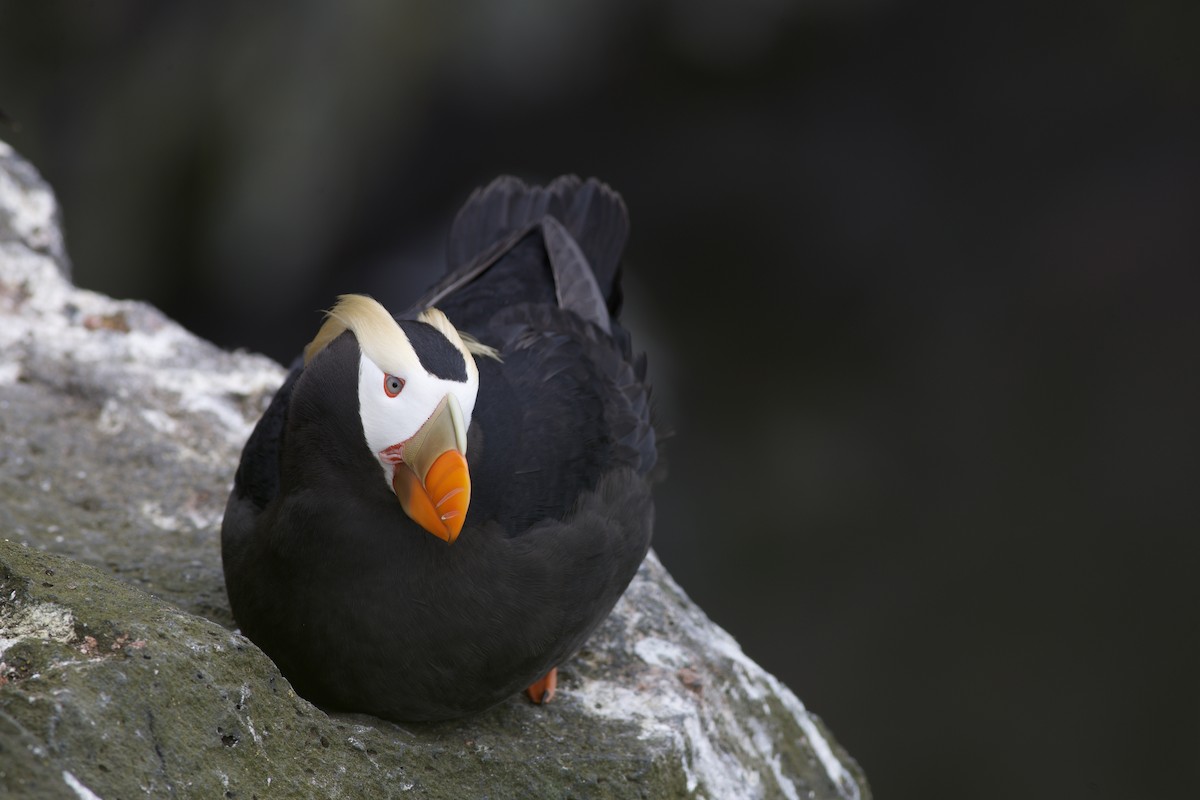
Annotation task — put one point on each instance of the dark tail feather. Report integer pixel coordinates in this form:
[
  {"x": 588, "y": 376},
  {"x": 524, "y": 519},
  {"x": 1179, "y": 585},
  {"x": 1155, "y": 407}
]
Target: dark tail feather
[{"x": 592, "y": 213}]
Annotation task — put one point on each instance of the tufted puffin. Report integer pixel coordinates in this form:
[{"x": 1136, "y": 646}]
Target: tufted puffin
[{"x": 439, "y": 506}]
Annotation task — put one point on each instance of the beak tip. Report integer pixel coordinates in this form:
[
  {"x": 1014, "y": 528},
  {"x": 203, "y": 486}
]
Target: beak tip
[
  {"x": 449, "y": 526},
  {"x": 449, "y": 480}
]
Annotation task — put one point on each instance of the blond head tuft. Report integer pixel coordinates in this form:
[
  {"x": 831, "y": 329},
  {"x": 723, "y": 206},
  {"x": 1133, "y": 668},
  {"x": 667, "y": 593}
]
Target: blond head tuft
[
  {"x": 464, "y": 341},
  {"x": 382, "y": 339}
]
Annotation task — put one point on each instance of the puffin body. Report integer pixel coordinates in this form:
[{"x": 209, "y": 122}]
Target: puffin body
[{"x": 438, "y": 508}]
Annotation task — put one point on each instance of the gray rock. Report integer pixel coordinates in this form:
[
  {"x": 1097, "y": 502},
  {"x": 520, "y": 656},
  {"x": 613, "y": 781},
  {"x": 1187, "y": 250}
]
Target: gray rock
[{"x": 121, "y": 674}]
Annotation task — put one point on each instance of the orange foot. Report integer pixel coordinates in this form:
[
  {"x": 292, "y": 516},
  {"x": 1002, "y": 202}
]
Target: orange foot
[{"x": 542, "y": 691}]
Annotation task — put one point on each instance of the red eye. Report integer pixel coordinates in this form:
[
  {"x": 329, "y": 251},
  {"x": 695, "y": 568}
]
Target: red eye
[{"x": 392, "y": 385}]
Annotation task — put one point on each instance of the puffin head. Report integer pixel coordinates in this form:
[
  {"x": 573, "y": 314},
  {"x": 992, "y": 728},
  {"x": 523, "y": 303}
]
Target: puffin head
[{"x": 417, "y": 383}]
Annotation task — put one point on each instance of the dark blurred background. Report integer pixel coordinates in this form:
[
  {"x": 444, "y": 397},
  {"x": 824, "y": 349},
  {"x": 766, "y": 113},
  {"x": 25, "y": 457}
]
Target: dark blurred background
[{"x": 918, "y": 281}]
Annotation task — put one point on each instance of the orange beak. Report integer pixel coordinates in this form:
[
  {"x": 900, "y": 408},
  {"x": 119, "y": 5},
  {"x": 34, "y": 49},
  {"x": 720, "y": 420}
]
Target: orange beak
[{"x": 431, "y": 479}]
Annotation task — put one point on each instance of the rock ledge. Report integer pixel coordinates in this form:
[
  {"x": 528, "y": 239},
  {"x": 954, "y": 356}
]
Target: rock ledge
[{"x": 120, "y": 674}]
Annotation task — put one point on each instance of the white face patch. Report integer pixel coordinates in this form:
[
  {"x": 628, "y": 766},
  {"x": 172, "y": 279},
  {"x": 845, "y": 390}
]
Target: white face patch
[{"x": 389, "y": 420}]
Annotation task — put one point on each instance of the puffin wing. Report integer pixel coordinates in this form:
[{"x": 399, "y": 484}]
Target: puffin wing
[
  {"x": 592, "y": 212},
  {"x": 538, "y": 279},
  {"x": 582, "y": 225}
]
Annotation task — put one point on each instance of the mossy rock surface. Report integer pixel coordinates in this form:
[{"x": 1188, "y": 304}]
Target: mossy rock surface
[{"x": 132, "y": 696}]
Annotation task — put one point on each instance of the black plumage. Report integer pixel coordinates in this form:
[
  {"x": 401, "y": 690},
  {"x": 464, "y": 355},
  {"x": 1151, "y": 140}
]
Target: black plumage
[{"x": 360, "y": 607}]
